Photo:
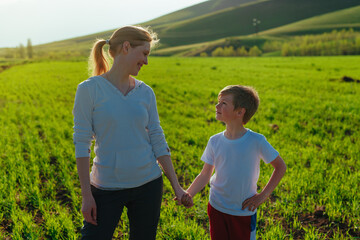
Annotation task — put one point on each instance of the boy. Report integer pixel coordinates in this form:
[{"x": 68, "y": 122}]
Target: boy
[{"x": 235, "y": 155}]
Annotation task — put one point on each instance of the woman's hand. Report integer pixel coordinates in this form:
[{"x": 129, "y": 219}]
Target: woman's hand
[
  {"x": 88, "y": 209},
  {"x": 179, "y": 192},
  {"x": 184, "y": 198},
  {"x": 187, "y": 200}
]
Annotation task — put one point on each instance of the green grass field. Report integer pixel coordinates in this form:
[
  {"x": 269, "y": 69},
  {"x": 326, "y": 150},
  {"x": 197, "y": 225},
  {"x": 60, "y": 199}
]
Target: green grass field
[{"x": 306, "y": 112}]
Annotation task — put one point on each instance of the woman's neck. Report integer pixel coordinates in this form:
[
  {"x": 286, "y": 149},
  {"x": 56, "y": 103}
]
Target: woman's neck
[
  {"x": 118, "y": 76},
  {"x": 123, "y": 82}
]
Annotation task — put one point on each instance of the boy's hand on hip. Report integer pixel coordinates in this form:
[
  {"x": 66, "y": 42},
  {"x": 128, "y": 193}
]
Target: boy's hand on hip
[{"x": 254, "y": 202}]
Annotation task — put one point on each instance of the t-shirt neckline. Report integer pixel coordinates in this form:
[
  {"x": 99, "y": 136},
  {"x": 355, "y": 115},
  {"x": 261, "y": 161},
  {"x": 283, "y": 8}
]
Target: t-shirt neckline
[{"x": 240, "y": 139}]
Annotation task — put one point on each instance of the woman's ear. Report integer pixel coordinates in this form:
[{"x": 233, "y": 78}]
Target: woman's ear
[{"x": 125, "y": 47}]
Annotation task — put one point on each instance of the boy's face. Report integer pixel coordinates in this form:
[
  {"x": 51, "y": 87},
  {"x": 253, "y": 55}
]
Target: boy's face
[{"x": 225, "y": 109}]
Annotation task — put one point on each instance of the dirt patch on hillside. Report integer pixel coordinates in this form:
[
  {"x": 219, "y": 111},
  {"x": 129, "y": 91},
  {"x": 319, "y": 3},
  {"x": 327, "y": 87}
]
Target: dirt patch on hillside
[{"x": 6, "y": 66}]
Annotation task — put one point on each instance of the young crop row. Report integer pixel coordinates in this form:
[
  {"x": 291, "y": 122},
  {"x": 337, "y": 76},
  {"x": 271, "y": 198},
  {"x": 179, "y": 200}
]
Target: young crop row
[{"x": 312, "y": 121}]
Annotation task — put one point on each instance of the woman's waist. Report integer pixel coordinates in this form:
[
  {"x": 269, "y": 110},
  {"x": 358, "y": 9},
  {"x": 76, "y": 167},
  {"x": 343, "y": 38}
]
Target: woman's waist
[
  {"x": 117, "y": 157},
  {"x": 125, "y": 176},
  {"x": 108, "y": 146}
]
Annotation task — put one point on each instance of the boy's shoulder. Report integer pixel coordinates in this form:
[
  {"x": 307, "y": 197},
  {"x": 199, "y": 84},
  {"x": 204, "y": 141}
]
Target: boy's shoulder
[
  {"x": 215, "y": 139},
  {"x": 217, "y": 136},
  {"x": 249, "y": 133},
  {"x": 248, "y": 139},
  {"x": 256, "y": 135}
]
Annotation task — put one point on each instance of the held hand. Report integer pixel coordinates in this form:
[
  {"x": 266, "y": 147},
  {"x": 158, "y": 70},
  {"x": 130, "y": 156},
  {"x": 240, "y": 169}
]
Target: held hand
[
  {"x": 187, "y": 201},
  {"x": 183, "y": 195},
  {"x": 88, "y": 210},
  {"x": 179, "y": 195},
  {"x": 254, "y": 202}
]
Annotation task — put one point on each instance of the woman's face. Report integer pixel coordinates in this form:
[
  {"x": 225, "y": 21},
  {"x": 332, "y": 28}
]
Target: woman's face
[{"x": 137, "y": 57}]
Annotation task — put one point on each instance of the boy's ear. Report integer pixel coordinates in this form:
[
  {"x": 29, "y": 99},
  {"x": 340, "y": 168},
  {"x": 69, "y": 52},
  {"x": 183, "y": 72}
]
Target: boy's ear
[{"x": 241, "y": 112}]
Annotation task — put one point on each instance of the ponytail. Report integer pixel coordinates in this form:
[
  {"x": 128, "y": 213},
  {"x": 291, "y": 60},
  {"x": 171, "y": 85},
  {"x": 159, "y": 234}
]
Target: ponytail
[
  {"x": 135, "y": 35},
  {"x": 98, "y": 61}
]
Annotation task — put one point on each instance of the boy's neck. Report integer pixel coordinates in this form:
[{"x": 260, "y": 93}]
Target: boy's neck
[{"x": 234, "y": 131}]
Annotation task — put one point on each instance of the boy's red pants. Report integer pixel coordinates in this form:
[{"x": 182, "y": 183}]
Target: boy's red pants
[{"x": 224, "y": 226}]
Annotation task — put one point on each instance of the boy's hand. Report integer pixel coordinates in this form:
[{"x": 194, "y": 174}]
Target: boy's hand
[
  {"x": 187, "y": 201},
  {"x": 254, "y": 202}
]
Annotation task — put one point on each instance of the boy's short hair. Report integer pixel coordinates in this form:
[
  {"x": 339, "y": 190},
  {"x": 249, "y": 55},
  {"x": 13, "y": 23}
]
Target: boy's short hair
[{"x": 243, "y": 97}]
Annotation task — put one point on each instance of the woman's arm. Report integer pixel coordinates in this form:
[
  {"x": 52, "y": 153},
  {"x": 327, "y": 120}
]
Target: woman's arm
[
  {"x": 279, "y": 171},
  {"x": 83, "y": 136},
  {"x": 88, "y": 208},
  {"x": 168, "y": 168}
]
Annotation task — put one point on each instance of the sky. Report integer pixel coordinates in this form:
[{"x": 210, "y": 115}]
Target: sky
[{"x": 45, "y": 21}]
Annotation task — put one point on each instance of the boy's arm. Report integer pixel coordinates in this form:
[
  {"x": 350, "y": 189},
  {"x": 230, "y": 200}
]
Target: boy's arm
[
  {"x": 201, "y": 180},
  {"x": 279, "y": 171}
]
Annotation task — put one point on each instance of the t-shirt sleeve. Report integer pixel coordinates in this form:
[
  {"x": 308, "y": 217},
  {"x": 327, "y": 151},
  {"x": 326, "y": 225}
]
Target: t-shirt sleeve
[
  {"x": 267, "y": 152},
  {"x": 208, "y": 155}
]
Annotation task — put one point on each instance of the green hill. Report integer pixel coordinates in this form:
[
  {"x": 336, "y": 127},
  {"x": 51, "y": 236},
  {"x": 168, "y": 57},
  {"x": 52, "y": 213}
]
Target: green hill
[
  {"x": 347, "y": 18},
  {"x": 217, "y": 20},
  {"x": 237, "y": 21},
  {"x": 207, "y": 47},
  {"x": 196, "y": 10}
]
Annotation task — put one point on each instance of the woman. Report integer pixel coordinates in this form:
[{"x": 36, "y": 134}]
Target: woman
[{"x": 120, "y": 113}]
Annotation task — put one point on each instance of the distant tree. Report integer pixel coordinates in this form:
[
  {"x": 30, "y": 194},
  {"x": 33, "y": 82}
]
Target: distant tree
[
  {"x": 255, "y": 51},
  {"x": 218, "y": 52},
  {"x": 9, "y": 53},
  {"x": 229, "y": 51},
  {"x": 357, "y": 44},
  {"x": 203, "y": 54},
  {"x": 303, "y": 48},
  {"x": 319, "y": 48},
  {"x": 344, "y": 42},
  {"x": 21, "y": 51},
  {"x": 285, "y": 50},
  {"x": 29, "y": 49},
  {"x": 242, "y": 52},
  {"x": 271, "y": 46}
]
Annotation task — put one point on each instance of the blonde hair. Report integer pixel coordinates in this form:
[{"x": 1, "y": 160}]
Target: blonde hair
[
  {"x": 135, "y": 35},
  {"x": 243, "y": 97}
]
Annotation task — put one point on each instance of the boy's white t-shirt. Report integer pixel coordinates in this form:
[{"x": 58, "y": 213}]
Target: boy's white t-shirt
[{"x": 237, "y": 169}]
